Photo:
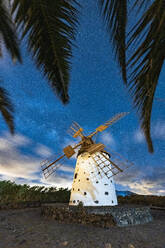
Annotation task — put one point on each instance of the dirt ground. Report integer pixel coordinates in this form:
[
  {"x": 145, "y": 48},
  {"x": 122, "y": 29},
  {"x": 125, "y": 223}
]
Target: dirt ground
[{"x": 26, "y": 228}]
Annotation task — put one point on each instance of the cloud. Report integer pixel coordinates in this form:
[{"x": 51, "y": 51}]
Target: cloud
[
  {"x": 12, "y": 162},
  {"x": 159, "y": 130},
  {"x": 43, "y": 151},
  {"x": 21, "y": 168},
  {"x": 144, "y": 181},
  {"x": 107, "y": 139},
  {"x": 57, "y": 181},
  {"x": 138, "y": 136},
  {"x": 8, "y": 142}
]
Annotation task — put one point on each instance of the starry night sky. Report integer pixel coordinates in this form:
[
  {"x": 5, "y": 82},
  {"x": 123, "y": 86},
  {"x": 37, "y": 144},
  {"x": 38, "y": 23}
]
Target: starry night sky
[{"x": 96, "y": 94}]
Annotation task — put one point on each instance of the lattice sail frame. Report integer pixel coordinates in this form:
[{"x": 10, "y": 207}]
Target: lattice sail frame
[
  {"x": 104, "y": 166},
  {"x": 49, "y": 167}
]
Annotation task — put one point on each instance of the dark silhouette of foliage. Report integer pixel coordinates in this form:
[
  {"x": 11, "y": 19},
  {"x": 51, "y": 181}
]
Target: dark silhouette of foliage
[
  {"x": 12, "y": 192},
  {"x": 50, "y": 28},
  {"x": 146, "y": 200},
  {"x": 8, "y": 38},
  {"x": 6, "y": 109}
]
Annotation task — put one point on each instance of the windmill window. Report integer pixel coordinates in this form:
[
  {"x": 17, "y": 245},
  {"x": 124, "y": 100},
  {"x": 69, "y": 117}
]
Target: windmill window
[
  {"x": 74, "y": 201},
  {"x": 92, "y": 172},
  {"x": 97, "y": 181},
  {"x": 111, "y": 181},
  {"x": 99, "y": 173},
  {"x": 87, "y": 179},
  {"x": 106, "y": 193},
  {"x": 73, "y": 189},
  {"x": 106, "y": 184},
  {"x": 78, "y": 189},
  {"x": 77, "y": 200},
  {"x": 85, "y": 193},
  {"x": 96, "y": 201},
  {"x": 84, "y": 172},
  {"x": 79, "y": 180},
  {"x": 112, "y": 201},
  {"x": 75, "y": 176}
]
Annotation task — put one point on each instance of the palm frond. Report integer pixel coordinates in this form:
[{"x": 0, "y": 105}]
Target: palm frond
[
  {"x": 8, "y": 33},
  {"x": 115, "y": 17},
  {"x": 6, "y": 109},
  {"x": 50, "y": 28},
  {"x": 146, "y": 63},
  {"x": 141, "y": 4}
]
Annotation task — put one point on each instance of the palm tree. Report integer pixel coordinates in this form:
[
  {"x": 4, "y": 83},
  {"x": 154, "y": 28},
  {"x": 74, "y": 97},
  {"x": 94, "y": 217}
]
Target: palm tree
[
  {"x": 147, "y": 41},
  {"x": 9, "y": 40},
  {"x": 6, "y": 109},
  {"x": 50, "y": 28}
]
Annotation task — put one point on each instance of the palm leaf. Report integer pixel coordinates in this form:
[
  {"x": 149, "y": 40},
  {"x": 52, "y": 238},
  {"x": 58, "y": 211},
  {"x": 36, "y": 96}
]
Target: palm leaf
[
  {"x": 115, "y": 16},
  {"x": 6, "y": 109},
  {"x": 50, "y": 28},
  {"x": 141, "y": 4},
  {"x": 8, "y": 33},
  {"x": 146, "y": 63}
]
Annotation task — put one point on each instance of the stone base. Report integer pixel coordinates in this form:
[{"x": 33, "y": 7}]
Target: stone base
[{"x": 105, "y": 216}]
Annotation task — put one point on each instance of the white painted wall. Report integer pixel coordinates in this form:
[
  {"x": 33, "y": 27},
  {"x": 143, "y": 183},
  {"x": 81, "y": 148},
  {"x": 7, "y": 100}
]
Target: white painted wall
[{"x": 90, "y": 185}]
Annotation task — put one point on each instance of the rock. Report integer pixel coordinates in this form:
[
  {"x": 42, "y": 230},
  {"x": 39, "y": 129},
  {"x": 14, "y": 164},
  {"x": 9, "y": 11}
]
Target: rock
[
  {"x": 131, "y": 246},
  {"x": 22, "y": 242},
  {"x": 2, "y": 219},
  {"x": 65, "y": 243},
  {"x": 108, "y": 245}
]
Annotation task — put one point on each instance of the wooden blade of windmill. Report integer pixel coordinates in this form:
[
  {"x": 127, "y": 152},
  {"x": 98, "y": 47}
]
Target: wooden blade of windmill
[
  {"x": 115, "y": 165},
  {"x": 120, "y": 160},
  {"x": 75, "y": 130},
  {"x": 104, "y": 165},
  {"x": 50, "y": 165},
  {"x": 114, "y": 119},
  {"x": 97, "y": 168}
]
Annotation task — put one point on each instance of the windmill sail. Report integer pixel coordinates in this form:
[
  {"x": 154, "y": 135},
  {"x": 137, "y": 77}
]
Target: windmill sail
[
  {"x": 105, "y": 165},
  {"x": 50, "y": 165},
  {"x": 94, "y": 167},
  {"x": 114, "y": 119}
]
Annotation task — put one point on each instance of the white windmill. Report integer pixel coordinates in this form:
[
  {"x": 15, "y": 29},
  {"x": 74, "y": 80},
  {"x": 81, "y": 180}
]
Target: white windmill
[{"x": 93, "y": 182}]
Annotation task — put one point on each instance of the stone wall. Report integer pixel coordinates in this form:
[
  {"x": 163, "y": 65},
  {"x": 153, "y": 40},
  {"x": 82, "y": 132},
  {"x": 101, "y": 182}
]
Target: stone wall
[
  {"x": 98, "y": 216},
  {"x": 19, "y": 205},
  {"x": 124, "y": 216},
  {"x": 64, "y": 214}
]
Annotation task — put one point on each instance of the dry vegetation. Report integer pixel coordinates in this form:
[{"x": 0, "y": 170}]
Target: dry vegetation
[
  {"x": 147, "y": 200},
  {"x": 11, "y": 194}
]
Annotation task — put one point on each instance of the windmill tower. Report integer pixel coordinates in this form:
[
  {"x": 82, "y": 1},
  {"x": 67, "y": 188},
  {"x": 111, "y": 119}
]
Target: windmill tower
[{"x": 93, "y": 182}]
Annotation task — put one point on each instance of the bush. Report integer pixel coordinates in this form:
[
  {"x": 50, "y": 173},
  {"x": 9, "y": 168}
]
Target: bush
[
  {"x": 11, "y": 192},
  {"x": 148, "y": 200}
]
